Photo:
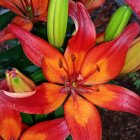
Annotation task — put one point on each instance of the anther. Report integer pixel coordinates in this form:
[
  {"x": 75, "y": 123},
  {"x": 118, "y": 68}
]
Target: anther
[
  {"x": 60, "y": 63},
  {"x": 73, "y": 58},
  {"x": 97, "y": 90},
  {"x": 97, "y": 68}
]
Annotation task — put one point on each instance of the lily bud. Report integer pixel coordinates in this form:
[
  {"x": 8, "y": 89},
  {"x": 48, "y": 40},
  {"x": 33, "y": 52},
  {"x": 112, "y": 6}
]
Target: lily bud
[
  {"x": 19, "y": 85},
  {"x": 57, "y": 22},
  {"x": 132, "y": 61},
  {"x": 118, "y": 22}
]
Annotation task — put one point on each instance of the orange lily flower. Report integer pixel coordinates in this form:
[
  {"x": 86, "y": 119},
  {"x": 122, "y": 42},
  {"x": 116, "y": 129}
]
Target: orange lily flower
[
  {"x": 28, "y": 11},
  {"x": 78, "y": 77},
  {"x": 11, "y": 127}
]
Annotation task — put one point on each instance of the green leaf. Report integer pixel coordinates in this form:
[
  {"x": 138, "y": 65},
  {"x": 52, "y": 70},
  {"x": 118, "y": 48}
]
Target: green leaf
[
  {"x": 10, "y": 57},
  {"x": 69, "y": 138},
  {"x": 40, "y": 30},
  {"x": 31, "y": 68},
  {"x": 59, "y": 112},
  {"x": 15, "y": 57},
  {"x": 38, "y": 76},
  {"x": 27, "y": 118},
  {"x": 5, "y": 19},
  {"x": 137, "y": 84},
  {"x": 39, "y": 118}
]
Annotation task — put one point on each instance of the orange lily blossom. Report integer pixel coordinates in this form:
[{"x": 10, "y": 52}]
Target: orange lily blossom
[
  {"x": 28, "y": 11},
  {"x": 12, "y": 128},
  {"x": 78, "y": 79}
]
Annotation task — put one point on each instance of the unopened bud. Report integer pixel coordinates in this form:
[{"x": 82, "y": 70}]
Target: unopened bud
[
  {"x": 57, "y": 22},
  {"x": 117, "y": 23},
  {"x": 19, "y": 85},
  {"x": 132, "y": 61}
]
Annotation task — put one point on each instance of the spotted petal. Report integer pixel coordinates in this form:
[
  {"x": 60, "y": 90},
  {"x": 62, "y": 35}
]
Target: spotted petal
[
  {"x": 116, "y": 98},
  {"x": 47, "y": 98},
  {"x": 105, "y": 61},
  {"x": 48, "y": 130},
  {"x": 83, "y": 40},
  {"x": 10, "y": 123},
  {"x": 83, "y": 119}
]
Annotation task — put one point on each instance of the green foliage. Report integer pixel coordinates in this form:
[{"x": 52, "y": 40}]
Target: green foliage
[
  {"x": 38, "y": 76},
  {"x": 40, "y": 118},
  {"x": 69, "y": 138},
  {"x": 5, "y": 19},
  {"x": 27, "y": 118},
  {"x": 137, "y": 84},
  {"x": 135, "y": 78},
  {"x": 59, "y": 112}
]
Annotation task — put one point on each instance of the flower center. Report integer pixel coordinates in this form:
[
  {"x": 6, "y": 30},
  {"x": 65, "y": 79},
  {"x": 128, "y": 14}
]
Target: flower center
[
  {"x": 29, "y": 10},
  {"x": 74, "y": 84}
]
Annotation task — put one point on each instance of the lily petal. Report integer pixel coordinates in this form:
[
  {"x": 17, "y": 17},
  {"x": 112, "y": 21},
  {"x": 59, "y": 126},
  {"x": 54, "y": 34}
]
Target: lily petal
[
  {"x": 5, "y": 34},
  {"x": 3, "y": 85},
  {"x": 115, "y": 98},
  {"x": 105, "y": 61},
  {"x": 14, "y": 5},
  {"x": 10, "y": 123},
  {"x": 135, "y": 5},
  {"x": 41, "y": 8},
  {"x": 92, "y": 4},
  {"x": 48, "y": 130},
  {"x": 55, "y": 67},
  {"x": 83, "y": 40},
  {"x": 34, "y": 47},
  {"x": 83, "y": 119},
  {"x": 46, "y": 99}
]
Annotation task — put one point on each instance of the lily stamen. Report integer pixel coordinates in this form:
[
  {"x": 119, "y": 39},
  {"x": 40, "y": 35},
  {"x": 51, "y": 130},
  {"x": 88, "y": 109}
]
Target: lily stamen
[
  {"x": 73, "y": 58},
  {"x": 86, "y": 89},
  {"x": 73, "y": 93},
  {"x": 97, "y": 69}
]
